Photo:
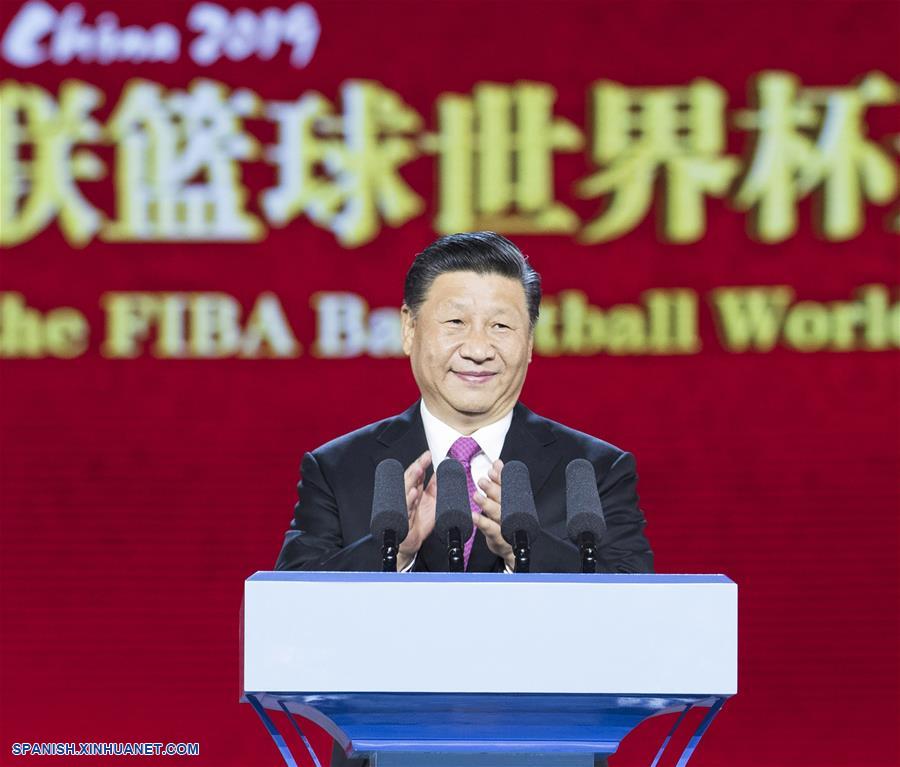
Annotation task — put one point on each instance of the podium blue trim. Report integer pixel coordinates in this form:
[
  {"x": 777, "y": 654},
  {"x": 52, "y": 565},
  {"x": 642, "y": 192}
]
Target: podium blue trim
[{"x": 462, "y": 724}]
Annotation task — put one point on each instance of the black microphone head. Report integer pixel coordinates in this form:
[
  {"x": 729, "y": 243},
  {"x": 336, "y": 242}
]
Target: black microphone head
[
  {"x": 389, "y": 510},
  {"x": 584, "y": 512},
  {"x": 517, "y": 511},
  {"x": 452, "y": 507}
]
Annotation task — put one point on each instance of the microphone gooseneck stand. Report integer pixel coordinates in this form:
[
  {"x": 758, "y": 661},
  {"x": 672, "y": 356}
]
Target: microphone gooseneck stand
[
  {"x": 456, "y": 562},
  {"x": 588, "y": 546},
  {"x": 389, "y": 552},
  {"x": 522, "y": 552}
]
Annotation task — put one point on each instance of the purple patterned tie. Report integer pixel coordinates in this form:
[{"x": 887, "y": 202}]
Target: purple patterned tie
[{"x": 464, "y": 450}]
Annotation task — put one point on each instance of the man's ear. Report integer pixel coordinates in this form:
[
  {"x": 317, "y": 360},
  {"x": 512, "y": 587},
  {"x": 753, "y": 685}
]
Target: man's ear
[
  {"x": 530, "y": 345},
  {"x": 407, "y": 328}
]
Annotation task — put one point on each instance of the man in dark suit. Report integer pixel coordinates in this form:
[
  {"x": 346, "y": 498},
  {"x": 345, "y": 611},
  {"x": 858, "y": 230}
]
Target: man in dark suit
[
  {"x": 470, "y": 304},
  {"x": 330, "y": 530}
]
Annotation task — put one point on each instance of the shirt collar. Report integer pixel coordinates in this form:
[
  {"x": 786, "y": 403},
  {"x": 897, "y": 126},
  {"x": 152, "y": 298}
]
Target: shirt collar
[{"x": 440, "y": 436}]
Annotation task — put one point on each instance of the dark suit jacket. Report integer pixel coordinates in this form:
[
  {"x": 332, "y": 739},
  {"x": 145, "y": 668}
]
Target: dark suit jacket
[{"x": 330, "y": 529}]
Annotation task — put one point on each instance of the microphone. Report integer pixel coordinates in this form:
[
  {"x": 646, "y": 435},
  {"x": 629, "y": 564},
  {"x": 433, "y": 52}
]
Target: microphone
[
  {"x": 390, "y": 518},
  {"x": 453, "y": 511},
  {"x": 519, "y": 523},
  {"x": 585, "y": 523}
]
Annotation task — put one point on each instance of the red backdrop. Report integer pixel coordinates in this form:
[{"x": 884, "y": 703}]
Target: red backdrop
[{"x": 137, "y": 494}]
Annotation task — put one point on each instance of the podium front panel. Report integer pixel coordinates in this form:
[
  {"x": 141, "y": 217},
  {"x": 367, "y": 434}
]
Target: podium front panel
[{"x": 643, "y": 635}]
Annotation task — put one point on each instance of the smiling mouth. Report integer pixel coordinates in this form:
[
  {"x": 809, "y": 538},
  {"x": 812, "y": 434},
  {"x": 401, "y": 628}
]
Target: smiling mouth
[{"x": 473, "y": 377}]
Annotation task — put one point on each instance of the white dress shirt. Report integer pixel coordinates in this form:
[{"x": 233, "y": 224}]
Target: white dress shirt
[{"x": 440, "y": 438}]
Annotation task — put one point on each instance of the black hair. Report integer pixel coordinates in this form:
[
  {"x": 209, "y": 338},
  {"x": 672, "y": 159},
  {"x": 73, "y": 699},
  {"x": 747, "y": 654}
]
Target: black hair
[{"x": 479, "y": 252}]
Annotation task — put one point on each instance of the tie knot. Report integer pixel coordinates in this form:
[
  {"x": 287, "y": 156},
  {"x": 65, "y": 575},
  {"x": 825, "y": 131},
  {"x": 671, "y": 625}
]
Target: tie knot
[{"x": 464, "y": 449}]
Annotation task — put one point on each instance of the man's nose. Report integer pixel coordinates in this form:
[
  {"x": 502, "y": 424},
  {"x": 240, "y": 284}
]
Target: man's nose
[{"x": 477, "y": 345}]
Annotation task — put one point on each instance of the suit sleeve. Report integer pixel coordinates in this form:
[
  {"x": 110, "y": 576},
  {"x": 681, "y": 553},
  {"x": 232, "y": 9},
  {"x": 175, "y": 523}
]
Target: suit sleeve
[
  {"x": 314, "y": 540},
  {"x": 624, "y": 548}
]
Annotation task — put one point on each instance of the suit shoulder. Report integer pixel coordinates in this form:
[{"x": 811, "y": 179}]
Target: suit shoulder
[
  {"x": 358, "y": 441},
  {"x": 352, "y": 440},
  {"x": 580, "y": 443}
]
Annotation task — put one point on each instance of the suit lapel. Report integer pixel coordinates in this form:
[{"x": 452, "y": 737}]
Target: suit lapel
[
  {"x": 530, "y": 441},
  {"x": 402, "y": 438}
]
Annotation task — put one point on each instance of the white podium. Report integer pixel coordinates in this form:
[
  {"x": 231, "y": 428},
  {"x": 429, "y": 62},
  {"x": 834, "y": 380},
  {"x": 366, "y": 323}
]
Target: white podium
[{"x": 486, "y": 669}]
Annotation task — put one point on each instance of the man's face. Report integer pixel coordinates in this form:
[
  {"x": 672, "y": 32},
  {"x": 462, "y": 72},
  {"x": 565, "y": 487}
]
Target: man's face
[{"x": 469, "y": 344}]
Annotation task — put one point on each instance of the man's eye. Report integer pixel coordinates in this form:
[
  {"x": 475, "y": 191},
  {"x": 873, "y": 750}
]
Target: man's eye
[
  {"x": 501, "y": 326},
  {"x": 454, "y": 322}
]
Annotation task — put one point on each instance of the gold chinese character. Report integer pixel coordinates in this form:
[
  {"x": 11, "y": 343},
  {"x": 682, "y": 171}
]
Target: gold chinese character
[
  {"x": 495, "y": 160},
  {"x": 34, "y": 190},
  {"x": 674, "y": 134},
  {"x": 177, "y": 174},
  {"x": 813, "y": 140},
  {"x": 343, "y": 170}
]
